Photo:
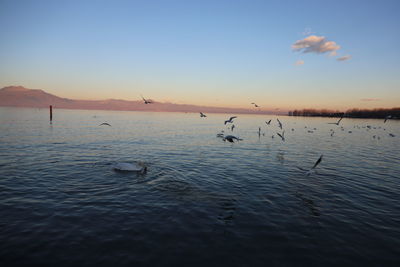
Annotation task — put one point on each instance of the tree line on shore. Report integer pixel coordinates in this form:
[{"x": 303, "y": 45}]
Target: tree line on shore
[{"x": 379, "y": 113}]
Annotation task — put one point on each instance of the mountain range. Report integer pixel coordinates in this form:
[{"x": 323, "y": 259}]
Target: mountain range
[{"x": 19, "y": 96}]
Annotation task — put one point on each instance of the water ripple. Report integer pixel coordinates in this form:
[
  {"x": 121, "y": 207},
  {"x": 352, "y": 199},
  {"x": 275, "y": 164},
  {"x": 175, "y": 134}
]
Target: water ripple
[{"x": 202, "y": 201}]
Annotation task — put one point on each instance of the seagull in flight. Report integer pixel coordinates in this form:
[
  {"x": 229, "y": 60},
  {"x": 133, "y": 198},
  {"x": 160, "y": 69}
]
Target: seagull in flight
[
  {"x": 282, "y": 136},
  {"x": 337, "y": 123},
  {"x": 387, "y": 117},
  {"x": 313, "y": 167},
  {"x": 279, "y": 123},
  {"x": 268, "y": 122},
  {"x": 233, "y": 127},
  {"x": 230, "y": 120},
  {"x": 147, "y": 101},
  {"x": 105, "y": 123},
  {"x": 257, "y": 106},
  {"x": 202, "y": 115},
  {"x": 231, "y": 138}
]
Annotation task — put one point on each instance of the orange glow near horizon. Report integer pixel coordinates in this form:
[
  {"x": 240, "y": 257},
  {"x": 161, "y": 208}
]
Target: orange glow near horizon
[{"x": 268, "y": 101}]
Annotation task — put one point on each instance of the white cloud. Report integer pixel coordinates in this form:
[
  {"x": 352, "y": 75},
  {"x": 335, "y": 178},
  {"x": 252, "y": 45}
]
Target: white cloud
[
  {"x": 299, "y": 63},
  {"x": 316, "y": 44},
  {"x": 344, "y": 58}
]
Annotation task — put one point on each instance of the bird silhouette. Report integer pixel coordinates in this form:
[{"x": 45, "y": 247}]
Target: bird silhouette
[
  {"x": 231, "y": 138},
  {"x": 337, "y": 123},
  {"x": 230, "y": 120},
  {"x": 147, "y": 101},
  {"x": 282, "y": 136},
  {"x": 279, "y": 123},
  {"x": 386, "y": 118}
]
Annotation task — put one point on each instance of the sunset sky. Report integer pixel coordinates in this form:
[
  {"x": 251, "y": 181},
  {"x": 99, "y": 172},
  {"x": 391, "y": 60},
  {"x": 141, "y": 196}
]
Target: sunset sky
[{"x": 279, "y": 54}]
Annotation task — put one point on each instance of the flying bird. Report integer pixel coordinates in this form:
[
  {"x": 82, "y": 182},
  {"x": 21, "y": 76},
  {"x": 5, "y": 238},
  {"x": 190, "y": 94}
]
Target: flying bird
[
  {"x": 316, "y": 164},
  {"x": 279, "y": 123},
  {"x": 268, "y": 122},
  {"x": 257, "y": 106},
  {"x": 105, "y": 123},
  {"x": 231, "y": 138},
  {"x": 202, "y": 115},
  {"x": 230, "y": 120},
  {"x": 313, "y": 167},
  {"x": 337, "y": 123},
  {"x": 259, "y": 132},
  {"x": 387, "y": 117},
  {"x": 233, "y": 127},
  {"x": 147, "y": 101},
  {"x": 282, "y": 136}
]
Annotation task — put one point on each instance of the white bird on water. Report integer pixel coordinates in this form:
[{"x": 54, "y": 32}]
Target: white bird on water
[
  {"x": 129, "y": 167},
  {"x": 230, "y": 120}
]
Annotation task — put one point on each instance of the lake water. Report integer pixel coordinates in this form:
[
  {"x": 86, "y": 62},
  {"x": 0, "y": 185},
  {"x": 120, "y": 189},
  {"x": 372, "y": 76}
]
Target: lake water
[{"x": 203, "y": 201}]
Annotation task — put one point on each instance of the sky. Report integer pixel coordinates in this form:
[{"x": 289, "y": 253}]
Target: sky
[{"x": 279, "y": 54}]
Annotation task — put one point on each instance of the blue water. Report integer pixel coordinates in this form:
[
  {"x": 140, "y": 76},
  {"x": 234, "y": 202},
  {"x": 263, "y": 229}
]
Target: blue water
[{"x": 203, "y": 201}]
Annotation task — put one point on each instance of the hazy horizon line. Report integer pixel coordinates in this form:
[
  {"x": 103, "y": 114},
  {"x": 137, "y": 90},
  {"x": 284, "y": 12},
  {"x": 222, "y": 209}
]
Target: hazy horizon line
[{"x": 239, "y": 109}]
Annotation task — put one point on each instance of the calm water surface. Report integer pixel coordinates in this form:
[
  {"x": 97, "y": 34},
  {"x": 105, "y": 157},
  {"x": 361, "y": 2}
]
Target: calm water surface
[{"x": 203, "y": 201}]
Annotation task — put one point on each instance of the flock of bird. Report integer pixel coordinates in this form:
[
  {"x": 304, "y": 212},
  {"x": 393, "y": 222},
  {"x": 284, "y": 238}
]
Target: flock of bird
[{"x": 232, "y": 138}]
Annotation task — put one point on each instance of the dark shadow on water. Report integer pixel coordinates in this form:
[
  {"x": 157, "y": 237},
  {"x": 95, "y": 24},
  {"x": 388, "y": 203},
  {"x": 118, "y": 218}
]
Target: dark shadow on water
[{"x": 309, "y": 203}]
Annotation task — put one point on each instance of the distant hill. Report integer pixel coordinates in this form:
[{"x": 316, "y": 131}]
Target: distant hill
[{"x": 18, "y": 96}]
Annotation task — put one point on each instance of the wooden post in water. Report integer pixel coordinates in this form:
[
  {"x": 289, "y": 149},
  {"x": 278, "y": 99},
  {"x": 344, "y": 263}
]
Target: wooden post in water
[{"x": 51, "y": 113}]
